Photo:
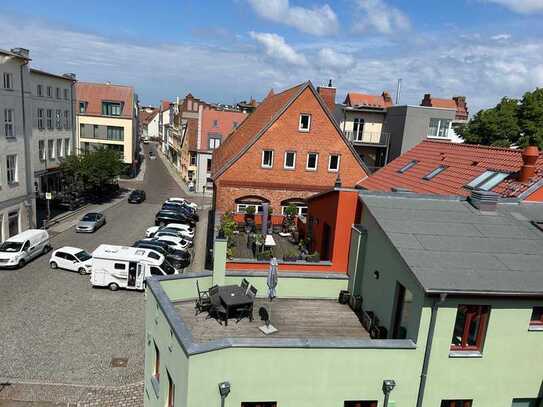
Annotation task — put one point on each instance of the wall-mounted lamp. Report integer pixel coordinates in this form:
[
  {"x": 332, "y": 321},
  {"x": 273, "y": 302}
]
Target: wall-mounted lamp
[
  {"x": 376, "y": 274},
  {"x": 388, "y": 386},
  {"x": 224, "y": 391}
]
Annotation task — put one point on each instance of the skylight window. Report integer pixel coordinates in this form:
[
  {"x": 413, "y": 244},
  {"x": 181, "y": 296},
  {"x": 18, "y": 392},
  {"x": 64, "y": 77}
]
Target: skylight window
[
  {"x": 408, "y": 166},
  {"x": 487, "y": 180},
  {"x": 432, "y": 174}
]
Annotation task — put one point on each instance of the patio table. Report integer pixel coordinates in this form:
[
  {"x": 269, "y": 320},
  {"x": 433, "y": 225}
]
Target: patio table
[{"x": 233, "y": 297}]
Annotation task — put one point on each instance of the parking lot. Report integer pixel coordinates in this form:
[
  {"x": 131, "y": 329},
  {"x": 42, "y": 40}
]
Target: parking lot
[{"x": 55, "y": 328}]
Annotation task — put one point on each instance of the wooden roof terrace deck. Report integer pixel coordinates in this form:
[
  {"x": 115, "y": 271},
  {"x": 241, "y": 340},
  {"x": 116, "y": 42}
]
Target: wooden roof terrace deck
[{"x": 294, "y": 318}]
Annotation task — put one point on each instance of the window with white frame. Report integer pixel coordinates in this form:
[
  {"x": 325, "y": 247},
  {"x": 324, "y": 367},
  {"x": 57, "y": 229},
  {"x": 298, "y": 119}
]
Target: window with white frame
[
  {"x": 58, "y": 120},
  {"x": 312, "y": 161},
  {"x": 51, "y": 149},
  {"x": 66, "y": 119},
  {"x": 9, "y": 130},
  {"x": 302, "y": 209},
  {"x": 439, "y": 128},
  {"x": 243, "y": 207},
  {"x": 305, "y": 122},
  {"x": 41, "y": 150},
  {"x": 67, "y": 147},
  {"x": 40, "y": 119},
  {"x": 59, "y": 147},
  {"x": 333, "y": 162},
  {"x": 358, "y": 129},
  {"x": 11, "y": 168},
  {"x": 214, "y": 142},
  {"x": 267, "y": 159},
  {"x": 8, "y": 80},
  {"x": 49, "y": 119},
  {"x": 290, "y": 160}
]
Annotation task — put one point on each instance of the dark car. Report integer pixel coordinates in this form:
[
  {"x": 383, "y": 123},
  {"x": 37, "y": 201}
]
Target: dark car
[
  {"x": 164, "y": 217},
  {"x": 189, "y": 212},
  {"x": 177, "y": 258},
  {"x": 136, "y": 196}
]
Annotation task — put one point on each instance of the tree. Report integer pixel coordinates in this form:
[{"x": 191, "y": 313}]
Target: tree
[
  {"x": 530, "y": 116},
  {"x": 498, "y": 126}
]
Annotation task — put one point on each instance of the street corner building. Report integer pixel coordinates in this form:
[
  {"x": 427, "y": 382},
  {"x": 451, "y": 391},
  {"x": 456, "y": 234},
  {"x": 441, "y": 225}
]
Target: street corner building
[
  {"x": 107, "y": 117},
  {"x": 288, "y": 149}
]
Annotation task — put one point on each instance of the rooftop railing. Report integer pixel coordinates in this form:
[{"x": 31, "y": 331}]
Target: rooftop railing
[{"x": 375, "y": 138}]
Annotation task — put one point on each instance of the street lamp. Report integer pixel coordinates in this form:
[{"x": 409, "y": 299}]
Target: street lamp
[
  {"x": 224, "y": 391},
  {"x": 388, "y": 386}
]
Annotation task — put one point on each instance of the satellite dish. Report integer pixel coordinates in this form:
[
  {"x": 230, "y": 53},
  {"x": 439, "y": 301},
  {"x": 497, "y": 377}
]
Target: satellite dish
[{"x": 264, "y": 315}]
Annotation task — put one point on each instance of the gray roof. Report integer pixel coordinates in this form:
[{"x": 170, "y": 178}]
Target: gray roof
[{"x": 452, "y": 247}]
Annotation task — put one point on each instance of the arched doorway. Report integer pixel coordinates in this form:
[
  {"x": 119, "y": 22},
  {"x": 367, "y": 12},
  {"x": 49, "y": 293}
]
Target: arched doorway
[{"x": 254, "y": 201}]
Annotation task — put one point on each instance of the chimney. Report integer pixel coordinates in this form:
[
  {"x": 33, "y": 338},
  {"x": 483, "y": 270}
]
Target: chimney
[
  {"x": 485, "y": 201},
  {"x": 70, "y": 75},
  {"x": 529, "y": 158},
  {"x": 427, "y": 100},
  {"x": 22, "y": 52},
  {"x": 328, "y": 94},
  {"x": 386, "y": 97}
]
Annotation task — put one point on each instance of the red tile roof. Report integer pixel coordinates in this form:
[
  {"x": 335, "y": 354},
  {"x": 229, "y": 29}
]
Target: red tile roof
[
  {"x": 165, "y": 105},
  {"x": 251, "y": 126},
  {"x": 457, "y": 102},
  {"x": 95, "y": 93},
  {"x": 444, "y": 103},
  {"x": 464, "y": 163},
  {"x": 146, "y": 117},
  {"x": 354, "y": 99}
]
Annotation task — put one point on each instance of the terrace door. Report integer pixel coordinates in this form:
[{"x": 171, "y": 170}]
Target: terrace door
[
  {"x": 325, "y": 246},
  {"x": 356, "y": 260},
  {"x": 132, "y": 273}
]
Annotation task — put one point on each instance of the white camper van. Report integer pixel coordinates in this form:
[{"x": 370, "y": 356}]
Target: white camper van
[
  {"x": 18, "y": 250},
  {"x": 126, "y": 267}
]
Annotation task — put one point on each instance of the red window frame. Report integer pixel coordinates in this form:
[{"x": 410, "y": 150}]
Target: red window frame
[
  {"x": 352, "y": 403},
  {"x": 537, "y": 316},
  {"x": 171, "y": 391},
  {"x": 156, "y": 371},
  {"x": 475, "y": 316},
  {"x": 456, "y": 403}
]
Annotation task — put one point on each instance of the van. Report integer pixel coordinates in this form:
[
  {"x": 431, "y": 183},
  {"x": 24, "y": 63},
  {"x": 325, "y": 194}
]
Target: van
[
  {"x": 18, "y": 250},
  {"x": 126, "y": 267}
]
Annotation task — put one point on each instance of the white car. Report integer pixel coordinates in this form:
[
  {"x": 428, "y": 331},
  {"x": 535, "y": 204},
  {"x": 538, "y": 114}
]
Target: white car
[
  {"x": 175, "y": 242},
  {"x": 71, "y": 258},
  {"x": 187, "y": 230},
  {"x": 183, "y": 201}
]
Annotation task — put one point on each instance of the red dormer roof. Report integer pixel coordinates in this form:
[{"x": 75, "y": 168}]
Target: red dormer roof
[
  {"x": 458, "y": 103},
  {"x": 355, "y": 99},
  {"x": 463, "y": 162}
]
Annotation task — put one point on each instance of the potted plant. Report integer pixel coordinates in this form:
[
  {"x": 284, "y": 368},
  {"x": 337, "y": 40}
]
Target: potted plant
[{"x": 250, "y": 217}]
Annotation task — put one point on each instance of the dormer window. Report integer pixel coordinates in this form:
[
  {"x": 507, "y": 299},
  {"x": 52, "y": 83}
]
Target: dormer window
[
  {"x": 112, "y": 108},
  {"x": 487, "y": 180},
  {"x": 305, "y": 122}
]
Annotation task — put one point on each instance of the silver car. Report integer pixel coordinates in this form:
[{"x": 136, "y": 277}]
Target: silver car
[{"x": 90, "y": 222}]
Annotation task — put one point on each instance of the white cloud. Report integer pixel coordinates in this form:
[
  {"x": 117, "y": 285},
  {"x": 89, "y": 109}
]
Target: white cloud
[
  {"x": 521, "y": 6},
  {"x": 334, "y": 60},
  {"x": 501, "y": 37},
  {"x": 317, "y": 20},
  {"x": 381, "y": 17},
  {"x": 276, "y": 47}
]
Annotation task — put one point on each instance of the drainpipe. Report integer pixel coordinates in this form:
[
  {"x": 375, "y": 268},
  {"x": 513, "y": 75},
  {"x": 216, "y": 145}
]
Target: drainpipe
[
  {"x": 28, "y": 161},
  {"x": 428, "y": 350}
]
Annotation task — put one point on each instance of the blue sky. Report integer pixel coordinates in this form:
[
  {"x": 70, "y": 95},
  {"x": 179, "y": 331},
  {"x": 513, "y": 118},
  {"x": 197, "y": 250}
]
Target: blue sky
[{"x": 229, "y": 50}]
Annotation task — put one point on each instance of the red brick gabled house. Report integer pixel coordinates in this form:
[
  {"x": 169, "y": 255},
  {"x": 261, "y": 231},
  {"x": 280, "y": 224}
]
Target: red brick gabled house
[{"x": 288, "y": 149}]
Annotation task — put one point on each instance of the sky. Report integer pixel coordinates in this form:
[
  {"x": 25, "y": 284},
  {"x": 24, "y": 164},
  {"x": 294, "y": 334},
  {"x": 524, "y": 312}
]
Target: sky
[{"x": 225, "y": 51}]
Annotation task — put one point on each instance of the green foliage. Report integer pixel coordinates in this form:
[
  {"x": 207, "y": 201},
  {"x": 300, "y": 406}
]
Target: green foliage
[
  {"x": 227, "y": 227},
  {"x": 511, "y": 122},
  {"x": 291, "y": 211},
  {"x": 94, "y": 169},
  {"x": 250, "y": 210}
]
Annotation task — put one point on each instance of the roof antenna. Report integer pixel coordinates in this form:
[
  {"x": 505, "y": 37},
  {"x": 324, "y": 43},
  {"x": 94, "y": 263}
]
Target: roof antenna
[
  {"x": 330, "y": 83},
  {"x": 398, "y": 91}
]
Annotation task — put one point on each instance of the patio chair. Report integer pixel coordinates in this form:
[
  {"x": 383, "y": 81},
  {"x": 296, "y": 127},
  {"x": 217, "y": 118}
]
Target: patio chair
[
  {"x": 203, "y": 303},
  {"x": 244, "y": 284},
  {"x": 216, "y": 309},
  {"x": 252, "y": 292},
  {"x": 244, "y": 312}
]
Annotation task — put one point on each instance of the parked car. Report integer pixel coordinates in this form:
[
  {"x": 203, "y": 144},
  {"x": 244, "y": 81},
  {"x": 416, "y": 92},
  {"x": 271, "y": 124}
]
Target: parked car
[
  {"x": 191, "y": 213},
  {"x": 183, "y": 200},
  {"x": 18, "y": 250},
  {"x": 136, "y": 196},
  {"x": 71, "y": 258},
  {"x": 184, "y": 205},
  {"x": 166, "y": 232},
  {"x": 179, "y": 259},
  {"x": 152, "y": 155},
  {"x": 90, "y": 222},
  {"x": 188, "y": 230},
  {"x": 164, "y": 217},
  {"x": 175, "y": 242}
]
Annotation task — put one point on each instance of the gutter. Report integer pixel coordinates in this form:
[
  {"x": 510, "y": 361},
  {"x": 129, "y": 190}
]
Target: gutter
[
  {"x": 428, "y": 350},
  {"x": 28, "y": 160}
]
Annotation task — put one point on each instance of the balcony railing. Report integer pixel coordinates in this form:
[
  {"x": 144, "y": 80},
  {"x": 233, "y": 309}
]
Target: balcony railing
[{"x": 373, "y": 138}]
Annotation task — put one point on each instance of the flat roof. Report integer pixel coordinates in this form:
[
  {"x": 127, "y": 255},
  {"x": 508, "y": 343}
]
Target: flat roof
[
  {"x": 452, "y": 247},
  {"x": 294, "y": 318}
]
